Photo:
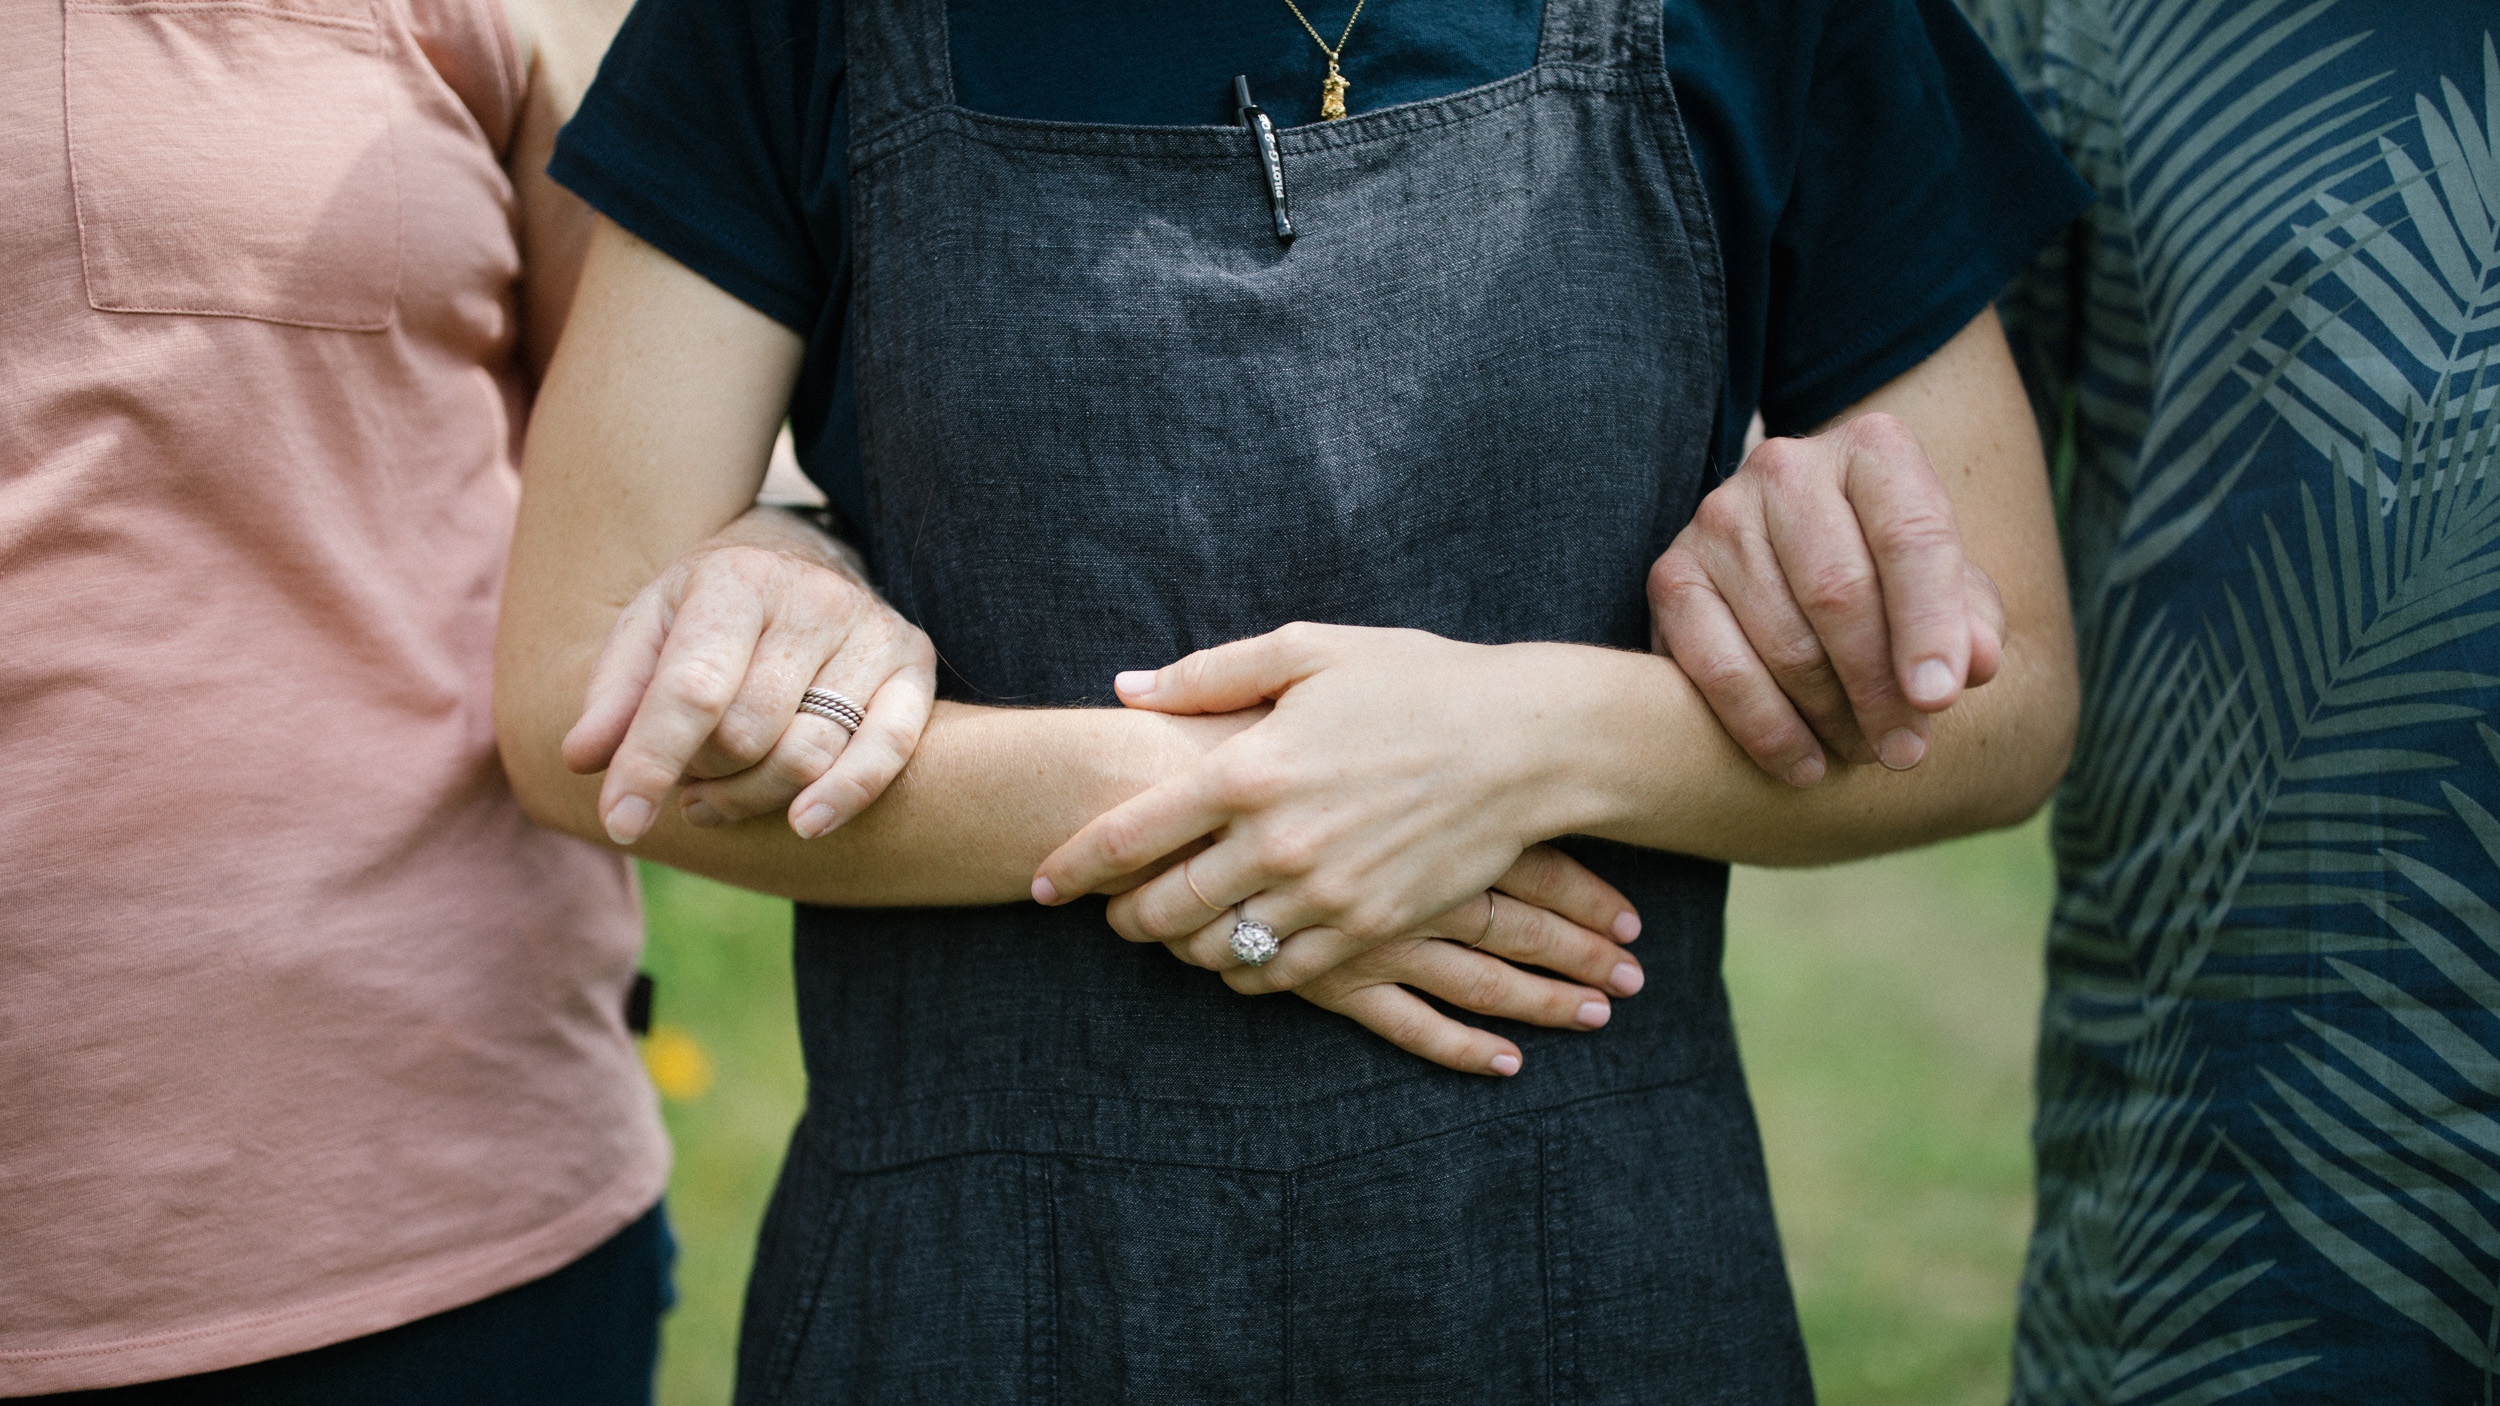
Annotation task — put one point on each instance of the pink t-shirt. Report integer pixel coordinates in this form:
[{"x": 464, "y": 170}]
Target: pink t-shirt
[{"x": 305, "y": 1030}]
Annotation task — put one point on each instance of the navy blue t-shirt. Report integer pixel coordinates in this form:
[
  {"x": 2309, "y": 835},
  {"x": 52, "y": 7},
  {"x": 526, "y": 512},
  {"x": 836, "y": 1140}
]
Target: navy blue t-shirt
[{"x": 1873, "y": 179}]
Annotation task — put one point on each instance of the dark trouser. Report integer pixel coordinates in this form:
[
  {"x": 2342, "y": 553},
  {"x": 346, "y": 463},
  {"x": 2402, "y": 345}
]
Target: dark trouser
[{"x": 586, "y": 1335}]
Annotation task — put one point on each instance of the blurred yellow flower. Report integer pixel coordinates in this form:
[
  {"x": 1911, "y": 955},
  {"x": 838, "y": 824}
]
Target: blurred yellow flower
[{"x": 679, "y": 1066}]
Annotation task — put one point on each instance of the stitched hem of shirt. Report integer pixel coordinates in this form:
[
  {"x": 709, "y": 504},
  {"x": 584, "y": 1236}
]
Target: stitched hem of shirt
[
  {"x": 619, "y": 187},
  {"x": 462, "y": 1277}
]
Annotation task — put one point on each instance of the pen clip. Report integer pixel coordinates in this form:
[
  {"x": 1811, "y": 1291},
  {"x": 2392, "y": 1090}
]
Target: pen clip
[{"x": 1271, "y": 161}]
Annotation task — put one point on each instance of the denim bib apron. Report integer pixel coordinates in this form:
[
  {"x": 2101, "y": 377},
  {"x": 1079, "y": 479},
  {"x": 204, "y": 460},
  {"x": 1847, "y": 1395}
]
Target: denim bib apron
[{"x": 1106, "y": 418}]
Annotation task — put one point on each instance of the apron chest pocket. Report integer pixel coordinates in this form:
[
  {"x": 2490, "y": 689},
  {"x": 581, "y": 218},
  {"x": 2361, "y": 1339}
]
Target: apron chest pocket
[{"x": 234, "y": 159}]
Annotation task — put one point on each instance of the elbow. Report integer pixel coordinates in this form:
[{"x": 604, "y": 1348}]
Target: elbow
[
  {"x": 2033, "y": 759},
  {"x": 2031, "y": 782},
  {"x": 546, "y": 805},
  {"x": 533, "y": 766}
]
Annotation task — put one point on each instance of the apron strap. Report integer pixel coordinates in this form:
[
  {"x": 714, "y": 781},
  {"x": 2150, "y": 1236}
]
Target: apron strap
[
  {"x": 895, "y": 63},
  {"x": 1623, "y": 36}
]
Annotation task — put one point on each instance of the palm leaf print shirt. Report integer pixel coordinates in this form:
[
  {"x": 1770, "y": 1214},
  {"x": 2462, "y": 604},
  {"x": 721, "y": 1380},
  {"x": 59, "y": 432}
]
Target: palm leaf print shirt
[{"x": 2269, "y": 1135}]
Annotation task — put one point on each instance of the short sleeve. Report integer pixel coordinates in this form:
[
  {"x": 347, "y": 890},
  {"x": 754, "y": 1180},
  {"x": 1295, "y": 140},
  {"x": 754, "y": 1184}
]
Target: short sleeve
[
  {"x": 695, "y": 137},
  {"x": 2037, "y": 42},
  {"x": 1923, "y": 187}
]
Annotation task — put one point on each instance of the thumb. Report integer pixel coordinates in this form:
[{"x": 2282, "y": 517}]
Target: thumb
[{"x": 1225, "y": 679}]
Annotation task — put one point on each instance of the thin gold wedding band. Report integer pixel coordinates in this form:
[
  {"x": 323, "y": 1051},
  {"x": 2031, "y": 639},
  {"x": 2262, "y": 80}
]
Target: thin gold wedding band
[
  {"x": 1488, "y": 922},
  {"x": 1193, "y": 887}
]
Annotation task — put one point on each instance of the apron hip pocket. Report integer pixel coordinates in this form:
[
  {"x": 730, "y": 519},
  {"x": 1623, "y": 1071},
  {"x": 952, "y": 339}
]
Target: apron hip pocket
[{"x": 234, "y": 159}]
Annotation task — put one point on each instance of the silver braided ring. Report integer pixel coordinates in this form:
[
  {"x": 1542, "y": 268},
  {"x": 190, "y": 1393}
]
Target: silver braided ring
[
  {"x": 833, "y": 708},
  {"x": 1254, "y": 942}
]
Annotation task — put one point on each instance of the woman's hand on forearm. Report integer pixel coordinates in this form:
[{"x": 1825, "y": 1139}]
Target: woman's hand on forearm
[
  {"x": 1398, "y": 774},
  {"x": 699, "y": 681}
]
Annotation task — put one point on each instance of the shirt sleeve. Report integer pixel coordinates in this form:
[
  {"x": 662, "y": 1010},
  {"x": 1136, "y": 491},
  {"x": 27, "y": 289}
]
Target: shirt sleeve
[
  {"x": 2044, "y": 306},
  {"x": 1923, "y": 187},
  {"x": 692, "y": 138}
]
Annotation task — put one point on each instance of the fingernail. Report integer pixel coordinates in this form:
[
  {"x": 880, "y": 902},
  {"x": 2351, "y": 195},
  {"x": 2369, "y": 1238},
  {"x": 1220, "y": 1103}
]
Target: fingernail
[
  {"x": 1044, "y": 891},
  {"x": 1901, "y": 749},
  {"x": 1807, "y": 773},
  {"x": 1627, "y": 925},
  {"x": 1627, "y": 979},
  {"x": 1505, "y": 1064},
  {"x": 817, "y": 820},
  {"x": 1134, "y": 683},
  {"x": 1931, "y": 682},
  {"x": 700, "y": 815},
  {"x": 1593, "y": 1014},
  {"x": 627, "y": 819}
]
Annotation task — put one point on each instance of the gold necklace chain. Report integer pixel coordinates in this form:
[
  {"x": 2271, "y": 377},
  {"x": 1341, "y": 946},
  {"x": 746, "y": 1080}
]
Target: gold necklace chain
[{"x": 1331, "y": 89}]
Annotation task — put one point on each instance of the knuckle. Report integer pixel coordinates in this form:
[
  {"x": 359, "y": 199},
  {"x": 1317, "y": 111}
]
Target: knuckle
[
  {"x": 1677, "y": 575},
  {"x": 1839, "y": 586},
  {"x": 1716, "y": 672},
  {"x": 702, "y": 685},
  {"x": 1121, "y": 914},
  {"x": 1281, "y": 849},
  {"x": 1189, "y": 672},
  {"x": 1722, "y": 513},
  {"x": 798, "y": 761},
  {"x": 1482, "y": 988},
  {"x": 1781, "y": 464},
  {"x": 1922, "y": 527},
  {"x": 1795, "y": 656},
  {"x": 743, "y": 738},
  {"x": 1883, "y": 432},
  {"x": 1160, "y": 923},
  {"x": 1779, "y": 744},
  {"x": 1280, "y": 975},
  {"x": 1250, "y": 782},
  {"x": 1537, "y": 869},
  {"x": 1123, "y": 841},
  {"x": 849, "y": 795},
  {"x": 735, "y": 565},
  {"x": 1338, "y": 905},
  {"x": 1330, "y": 989},
  {"x": 1407, "y": 1029}
]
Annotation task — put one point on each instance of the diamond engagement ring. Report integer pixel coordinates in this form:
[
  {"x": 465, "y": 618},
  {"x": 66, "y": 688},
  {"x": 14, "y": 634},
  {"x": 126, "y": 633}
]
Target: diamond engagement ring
[
  {"x": 1254, "y": 942},
  {"x": 833, "y": 708}
]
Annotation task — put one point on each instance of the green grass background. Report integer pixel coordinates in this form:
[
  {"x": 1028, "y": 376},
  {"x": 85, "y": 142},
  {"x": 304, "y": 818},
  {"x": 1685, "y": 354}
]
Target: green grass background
[{"x": 1887, "y": 1012}]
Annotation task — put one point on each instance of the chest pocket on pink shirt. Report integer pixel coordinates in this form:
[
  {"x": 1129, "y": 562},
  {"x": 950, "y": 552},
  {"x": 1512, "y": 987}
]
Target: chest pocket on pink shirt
[{"x": 234, "y": 159}]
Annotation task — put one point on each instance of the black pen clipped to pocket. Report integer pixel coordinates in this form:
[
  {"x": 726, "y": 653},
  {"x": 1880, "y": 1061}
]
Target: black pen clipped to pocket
[{"x": 1271, "y": 162}]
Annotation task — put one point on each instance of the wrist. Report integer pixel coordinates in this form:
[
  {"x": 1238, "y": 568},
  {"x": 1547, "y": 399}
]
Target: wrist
[
  {"x": 1572, "y": 701},
  {"x": 1147, "y": 748},
  {"x": 789, "y": 533}
]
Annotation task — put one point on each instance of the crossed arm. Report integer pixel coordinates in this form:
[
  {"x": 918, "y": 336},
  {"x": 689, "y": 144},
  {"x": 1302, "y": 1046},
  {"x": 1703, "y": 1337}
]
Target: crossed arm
[{"x": 1364, "y": 804}]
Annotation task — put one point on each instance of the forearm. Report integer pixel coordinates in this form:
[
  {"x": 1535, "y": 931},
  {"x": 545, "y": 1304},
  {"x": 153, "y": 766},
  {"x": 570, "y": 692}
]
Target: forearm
[
  {"x": 1672, "y": 777},
  {"x": 989, "y": 793},
  {"x": 1643, "y": 760}
]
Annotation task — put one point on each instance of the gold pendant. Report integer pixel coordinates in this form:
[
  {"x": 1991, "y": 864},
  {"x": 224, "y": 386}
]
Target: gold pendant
[{"x": 1332, "y": 96}]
